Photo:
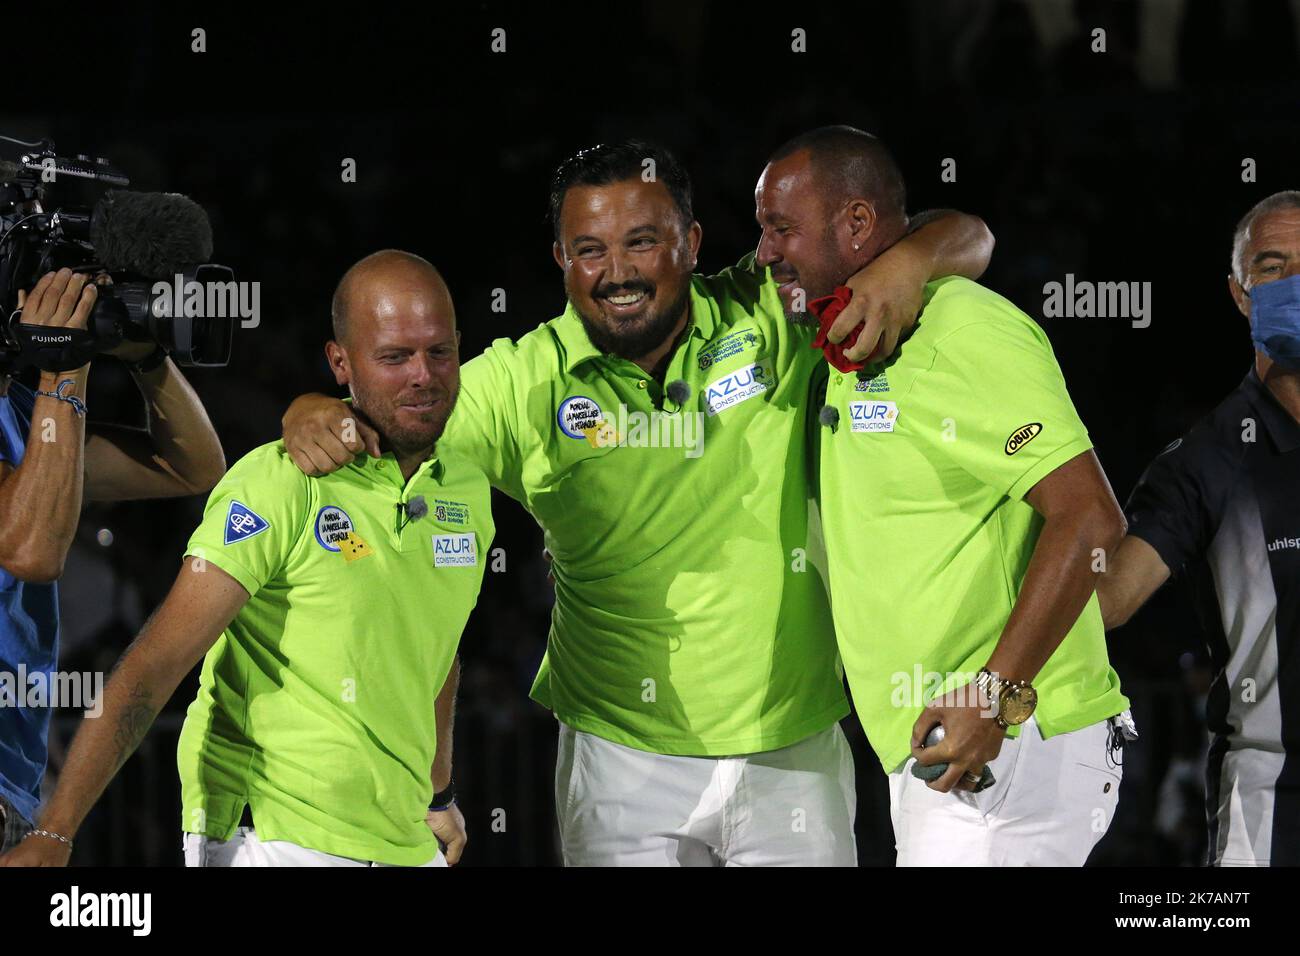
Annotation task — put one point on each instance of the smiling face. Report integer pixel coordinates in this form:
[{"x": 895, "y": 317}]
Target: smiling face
[
  {"x": 627, "y": 258},
  {"x": 399, "y": 354},
  {"x": 800, "y": 235}
]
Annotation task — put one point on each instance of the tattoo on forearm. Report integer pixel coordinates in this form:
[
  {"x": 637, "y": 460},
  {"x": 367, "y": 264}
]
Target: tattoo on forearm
[{"x": 133, "y": 724}]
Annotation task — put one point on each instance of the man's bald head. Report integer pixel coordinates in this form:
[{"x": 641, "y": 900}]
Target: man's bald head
[
  {"x": 848, "y": 163},
  {"x": 382, "y": 274},
  {"x": 396, "y": 348}
]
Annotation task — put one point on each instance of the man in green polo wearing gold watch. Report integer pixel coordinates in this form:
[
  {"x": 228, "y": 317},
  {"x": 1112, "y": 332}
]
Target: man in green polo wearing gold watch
[
  {"x": 658, "y": 430},
  {"x": 966, "y": 518}
]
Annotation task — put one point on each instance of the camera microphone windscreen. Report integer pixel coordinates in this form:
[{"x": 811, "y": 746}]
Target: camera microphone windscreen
[
  {"x": 679, "y": 391},
  {"x": 156, "y": 235}
]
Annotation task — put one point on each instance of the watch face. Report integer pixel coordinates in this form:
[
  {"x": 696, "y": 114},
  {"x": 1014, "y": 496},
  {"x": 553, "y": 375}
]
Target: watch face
[{"x": 1017, "y": 704}]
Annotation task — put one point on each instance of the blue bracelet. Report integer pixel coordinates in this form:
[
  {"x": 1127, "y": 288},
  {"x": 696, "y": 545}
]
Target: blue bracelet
[{"x": 77, "y": 404}]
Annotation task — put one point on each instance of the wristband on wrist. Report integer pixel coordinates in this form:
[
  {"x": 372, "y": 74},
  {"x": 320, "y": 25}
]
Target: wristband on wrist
[
  {"x": 445, "y": 797},
  {"x": 77, "y": 404}
]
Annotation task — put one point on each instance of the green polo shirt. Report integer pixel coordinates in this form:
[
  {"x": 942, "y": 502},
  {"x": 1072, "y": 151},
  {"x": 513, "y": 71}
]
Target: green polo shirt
[
  {"x": 690, "y": 607},
  {"x": 923, "y": 482},
  {"x": 316, "y": 705}
]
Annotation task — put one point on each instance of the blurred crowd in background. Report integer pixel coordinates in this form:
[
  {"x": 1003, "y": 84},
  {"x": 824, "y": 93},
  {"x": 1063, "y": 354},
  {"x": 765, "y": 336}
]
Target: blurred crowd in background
[{"x": 1122, "y": 165}]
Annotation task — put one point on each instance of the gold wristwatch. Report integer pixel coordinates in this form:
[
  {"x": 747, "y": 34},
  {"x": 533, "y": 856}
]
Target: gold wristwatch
[{"x": 1015, "y": 700}]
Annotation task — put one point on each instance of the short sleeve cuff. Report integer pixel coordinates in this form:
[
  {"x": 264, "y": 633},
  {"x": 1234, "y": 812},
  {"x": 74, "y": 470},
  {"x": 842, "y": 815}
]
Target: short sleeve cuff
[
  {"x": 1165, "y": 544},
  {"x": 1045, "y": 466}
]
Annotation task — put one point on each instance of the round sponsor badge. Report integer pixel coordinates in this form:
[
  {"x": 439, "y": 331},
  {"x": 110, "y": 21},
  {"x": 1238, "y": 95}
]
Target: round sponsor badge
[
  {"x": 332, "y": 525},
  {"x": 577, "y": 414}
]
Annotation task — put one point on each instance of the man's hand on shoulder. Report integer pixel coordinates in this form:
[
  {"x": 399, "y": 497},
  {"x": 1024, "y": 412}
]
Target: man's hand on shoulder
[
  {"x": 887, "y": 297},
  {"x": 889, "y": 291},
  {"x": 322, "y": 434}
]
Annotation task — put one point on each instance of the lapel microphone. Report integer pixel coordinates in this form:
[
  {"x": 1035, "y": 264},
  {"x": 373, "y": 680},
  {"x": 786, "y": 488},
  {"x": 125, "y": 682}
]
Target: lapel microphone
[
  {"x": 413, "y": 510},
  {"x": 678, "y": 391},
  {"x": 829, "y": 416}
]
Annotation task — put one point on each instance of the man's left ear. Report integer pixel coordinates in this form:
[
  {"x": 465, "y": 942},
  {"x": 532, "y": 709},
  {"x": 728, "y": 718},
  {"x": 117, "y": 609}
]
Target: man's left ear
[
  {"x": 862, "y": 222},
  {"x": 337, "y": 361}
]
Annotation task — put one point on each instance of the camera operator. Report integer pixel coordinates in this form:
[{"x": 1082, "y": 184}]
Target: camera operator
[{"x": 43, "y": 441}]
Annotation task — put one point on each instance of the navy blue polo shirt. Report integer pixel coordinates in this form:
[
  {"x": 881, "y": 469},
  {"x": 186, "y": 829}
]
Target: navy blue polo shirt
[{"x": 1221, "y": 506}]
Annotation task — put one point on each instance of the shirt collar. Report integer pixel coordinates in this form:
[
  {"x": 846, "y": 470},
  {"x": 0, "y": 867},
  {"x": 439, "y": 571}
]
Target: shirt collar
[
  {"x": 573, "y": 337},
  {"x": 578, "y": 347},
  {"x": 385, "y": 469},
  {"x": 1282, "y": 428},
  {"x": 432, "y": 468}
]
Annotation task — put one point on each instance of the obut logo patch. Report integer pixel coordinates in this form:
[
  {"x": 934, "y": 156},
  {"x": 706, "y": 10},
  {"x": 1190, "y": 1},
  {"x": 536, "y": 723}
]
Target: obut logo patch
[{"x": 1022, "y": 436}]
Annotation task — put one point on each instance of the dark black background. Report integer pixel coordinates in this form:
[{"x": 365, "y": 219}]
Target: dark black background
[{"x": 1096, "y": 164}]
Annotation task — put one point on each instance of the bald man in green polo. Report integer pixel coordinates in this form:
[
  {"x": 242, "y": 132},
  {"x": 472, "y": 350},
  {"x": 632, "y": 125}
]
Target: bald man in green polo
[
  {"x": 329, "y": 610},
  {"x": 966, "y": 519}
]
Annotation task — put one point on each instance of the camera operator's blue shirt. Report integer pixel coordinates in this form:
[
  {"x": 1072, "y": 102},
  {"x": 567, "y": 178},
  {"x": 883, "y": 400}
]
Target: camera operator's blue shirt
[{"x": 29, "y": 636}]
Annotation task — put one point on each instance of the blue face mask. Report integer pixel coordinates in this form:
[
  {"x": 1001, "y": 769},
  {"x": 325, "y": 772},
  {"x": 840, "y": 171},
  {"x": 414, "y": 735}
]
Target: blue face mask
[{"x": 1275, "y": 320}]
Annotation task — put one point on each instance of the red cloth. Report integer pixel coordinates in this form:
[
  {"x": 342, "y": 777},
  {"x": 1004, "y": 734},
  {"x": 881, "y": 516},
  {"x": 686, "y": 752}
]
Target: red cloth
[{"x": 826, "y": 309}]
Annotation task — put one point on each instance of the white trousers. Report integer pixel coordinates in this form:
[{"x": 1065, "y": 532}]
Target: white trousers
[
  {"x": 618, "y": 806},
  {"x": 245, "y": 849},
  {"x": 1053, "y": 800}
]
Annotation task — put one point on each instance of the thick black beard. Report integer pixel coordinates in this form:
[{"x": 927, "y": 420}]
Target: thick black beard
[{"x": 634, "y": 346}]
